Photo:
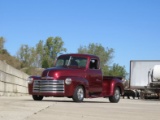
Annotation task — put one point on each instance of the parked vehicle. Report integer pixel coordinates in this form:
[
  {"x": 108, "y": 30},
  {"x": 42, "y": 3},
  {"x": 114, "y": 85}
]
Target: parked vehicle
[
  {"x": 75, "y": 76},
  {"x": 131, "y": 93},
  {"x": 145, "y": 76}
]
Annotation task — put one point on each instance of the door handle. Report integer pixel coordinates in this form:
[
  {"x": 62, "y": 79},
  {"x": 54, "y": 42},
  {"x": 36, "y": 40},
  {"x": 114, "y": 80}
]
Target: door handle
[{"x": 98, "y": 80}]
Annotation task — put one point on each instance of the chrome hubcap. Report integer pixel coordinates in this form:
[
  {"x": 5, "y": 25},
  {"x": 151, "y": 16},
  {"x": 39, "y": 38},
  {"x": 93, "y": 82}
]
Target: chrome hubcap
[
  {"x": 80, "y": 94},
  {"x": 117, "y": 94}
]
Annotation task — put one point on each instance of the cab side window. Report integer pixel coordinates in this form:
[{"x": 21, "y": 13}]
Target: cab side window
[{"x": 93, "y": 64}]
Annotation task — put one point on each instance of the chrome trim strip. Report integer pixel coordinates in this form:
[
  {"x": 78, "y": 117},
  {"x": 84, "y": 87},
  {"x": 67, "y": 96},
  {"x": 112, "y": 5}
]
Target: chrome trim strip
[{"x": 47, "y": 77}]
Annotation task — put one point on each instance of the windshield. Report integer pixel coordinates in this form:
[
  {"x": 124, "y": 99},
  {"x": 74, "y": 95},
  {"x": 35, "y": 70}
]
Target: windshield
[{"x": 64, "y": 61}]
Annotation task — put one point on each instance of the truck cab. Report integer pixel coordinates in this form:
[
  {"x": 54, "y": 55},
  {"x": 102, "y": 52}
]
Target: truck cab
[{"x": 76, "y": 76}]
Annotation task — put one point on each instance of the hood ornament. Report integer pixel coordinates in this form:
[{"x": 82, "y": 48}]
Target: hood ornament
[{"x": 47, "y": 77}]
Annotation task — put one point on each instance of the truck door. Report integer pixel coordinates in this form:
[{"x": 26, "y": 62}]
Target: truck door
[{"x": 94, "y": 76}]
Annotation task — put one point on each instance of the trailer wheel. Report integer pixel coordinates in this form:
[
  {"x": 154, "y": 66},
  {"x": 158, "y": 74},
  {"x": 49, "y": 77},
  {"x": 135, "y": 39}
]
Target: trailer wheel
[
  {"x": 116, "y": 97},
  {"x": 78, "y": 95},
  {"x": 37, "y": 97}
]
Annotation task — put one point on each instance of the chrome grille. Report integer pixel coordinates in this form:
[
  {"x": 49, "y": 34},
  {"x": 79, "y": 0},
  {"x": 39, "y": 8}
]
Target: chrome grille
[{"x": 49, "y": 86}]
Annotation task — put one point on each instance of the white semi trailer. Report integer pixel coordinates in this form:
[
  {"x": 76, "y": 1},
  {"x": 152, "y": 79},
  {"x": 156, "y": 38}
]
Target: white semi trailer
[{"x": 145, "y": 77}]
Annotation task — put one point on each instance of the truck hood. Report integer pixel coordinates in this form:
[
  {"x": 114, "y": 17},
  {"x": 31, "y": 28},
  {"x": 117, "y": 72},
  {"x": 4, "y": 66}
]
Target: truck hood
[{"x": 57, "y": 72}]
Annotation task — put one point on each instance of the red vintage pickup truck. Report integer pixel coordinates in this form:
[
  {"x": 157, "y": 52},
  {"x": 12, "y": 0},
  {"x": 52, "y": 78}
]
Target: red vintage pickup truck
[{"x": 75, "y": 76}]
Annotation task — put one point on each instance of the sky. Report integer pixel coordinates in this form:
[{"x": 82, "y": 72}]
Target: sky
[{"x": 130, "y": 27}]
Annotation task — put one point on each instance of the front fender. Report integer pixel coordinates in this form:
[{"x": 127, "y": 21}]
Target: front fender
[
  {"x": 30, "y": 83},
  {"x": 76, "y": 81}
]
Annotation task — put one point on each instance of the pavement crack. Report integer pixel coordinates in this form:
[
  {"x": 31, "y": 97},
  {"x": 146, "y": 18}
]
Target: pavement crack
[
  {"x": 42, "y": 110},
  {"x": 35, "y": 113}
]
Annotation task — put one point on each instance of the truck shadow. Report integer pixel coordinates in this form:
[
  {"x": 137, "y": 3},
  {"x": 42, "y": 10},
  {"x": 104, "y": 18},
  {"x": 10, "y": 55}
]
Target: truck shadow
[
  {"x": 68, "y": 101},
  {"x": 136, "y": 99}
]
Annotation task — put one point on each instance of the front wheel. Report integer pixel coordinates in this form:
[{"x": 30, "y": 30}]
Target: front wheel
[
  {"x": 116, "y": 97},
  {"x": 37, "y": 97},
  {"x": 78, "y": 95}
]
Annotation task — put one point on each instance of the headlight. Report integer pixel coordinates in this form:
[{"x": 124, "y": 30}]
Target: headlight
[
  {"x": 30, "y": 80},
  {"x": 68, "y": 81}
]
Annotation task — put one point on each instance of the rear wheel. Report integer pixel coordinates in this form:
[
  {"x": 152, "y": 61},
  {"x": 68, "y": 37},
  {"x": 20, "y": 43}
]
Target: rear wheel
[
  {"x": 78, "y": 95},
  {"x": 116, "y": 97},
  {"x": 37, "y": 97}
]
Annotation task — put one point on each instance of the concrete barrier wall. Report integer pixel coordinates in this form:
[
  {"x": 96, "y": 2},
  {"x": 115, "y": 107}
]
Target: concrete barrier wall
[{"x": 12, "y": 81}]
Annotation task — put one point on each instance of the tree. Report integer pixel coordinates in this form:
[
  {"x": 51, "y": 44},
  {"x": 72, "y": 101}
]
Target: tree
[
  {"x": 33, "y": 57},
  {"x": 39, "y": 53},
  {"x": 2, "y": 41},
  {"x": 117, "y": 70},
  {"x": 23, "y": 55},
  {"x": 105, "y": 54},
  {"x": 5, "y": 56},
  {"x": 42, "y": 55},
  {"x": 52, "y": 48}
]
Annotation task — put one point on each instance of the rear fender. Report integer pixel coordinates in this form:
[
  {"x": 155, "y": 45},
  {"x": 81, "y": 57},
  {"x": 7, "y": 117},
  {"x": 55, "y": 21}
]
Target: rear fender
[
  {"x": 110, "y": 84},
  {"x": 120, "y": 86}
]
